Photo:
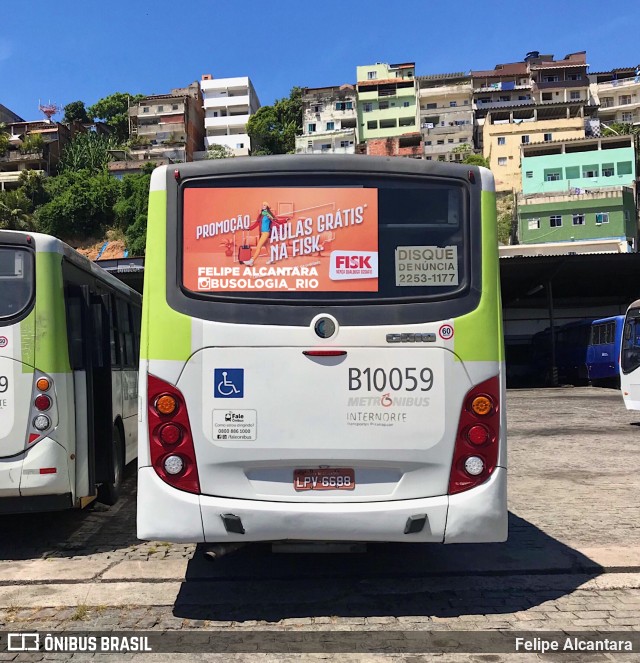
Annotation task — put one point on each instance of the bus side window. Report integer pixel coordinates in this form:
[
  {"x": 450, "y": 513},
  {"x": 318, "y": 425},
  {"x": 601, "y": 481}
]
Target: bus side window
[
  {"x": 74, "y": 328},
  {"x": 96, "y": 331},
  {"x": 136, "y": 316},
  {"x": 113, "y": 333},
  {"x": 125, "y": 334}
]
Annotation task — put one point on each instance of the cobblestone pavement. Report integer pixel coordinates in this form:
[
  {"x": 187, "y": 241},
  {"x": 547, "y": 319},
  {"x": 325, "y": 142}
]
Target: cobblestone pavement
[{"x": 573, "y": 487}]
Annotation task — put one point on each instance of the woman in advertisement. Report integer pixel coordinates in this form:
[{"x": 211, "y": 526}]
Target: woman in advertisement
[{"x": 266, "y": 219}]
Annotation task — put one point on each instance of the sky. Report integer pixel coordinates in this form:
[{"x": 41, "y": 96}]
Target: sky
[{"x": 65, "y": 51}]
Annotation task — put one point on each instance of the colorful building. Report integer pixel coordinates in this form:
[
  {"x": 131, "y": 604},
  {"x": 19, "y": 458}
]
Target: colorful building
[
  {"x": 578, "y": 164},
  {"x": 564, "y": 217},
  {"x": 446, "y": 115},
  {"x": 618, "y": 94},
  {"x": 329, "y": 120},
  {"x": 387, "y": 100}
]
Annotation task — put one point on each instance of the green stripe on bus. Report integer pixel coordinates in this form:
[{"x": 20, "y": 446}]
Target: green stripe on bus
[
  {"x": 478, "y": 335},
  {"x": 51, "y": 350},
  {"x": 27, "y": 341},
  {"x": 170, "y": 335}
]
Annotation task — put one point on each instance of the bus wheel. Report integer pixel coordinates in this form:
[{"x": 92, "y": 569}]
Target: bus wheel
[{"x": 108, "y": 493}]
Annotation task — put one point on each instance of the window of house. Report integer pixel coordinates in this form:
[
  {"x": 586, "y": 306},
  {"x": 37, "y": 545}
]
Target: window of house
[
  {"x": 431, "y": 106},
  {"x": 624, "y": 167},
  {"x": 502, "y": 161},
  {"x": 450, "y": 140},
  {"x": 548, "y": 137},
  {"x": 309, "y": 143},
  {"x": 317, "y": 108},
  {"x": 547, "y": 96},
  {"x": 441, "y": 142},
  {"x": 574, "y": 77},
  {"x": 602, "y": 217},
  {"x": 589, "y": 171},
  {"x": 534, "y": 224},
  {"x": 553, "y": 176},
  {"x": 344, "y": 143},
  {"x": 428, "y": 142},
  {"x": 627, "y": 117},
  {"x": 523, "y": 97},
  {"x": 551, "y": 79},
  {"x": 340, "y": 105},
  {"x": 462, "y": 140},
  {"x": 405, "y": 104},
  {"x": 239, "y": 146},
  {"x": 453, "y": 104},
  {"x": 372, "y": 75},
  {"x": 574, "y": 95},
  {"x": 349, "y": 105},
  {"x": 145, "y": 109},
  {"x": 466, "y": 102},
  {"x": 572, "y": 172},
  {"x": 606, "y": 102},
  {"x": 441, "y": 157},
  {"x": 311, "y": 128},
  {"x": 502, "y": 140},
  {"x": 325, "y": 147},
  {"x": 372, "y": 124},
  {"x": 457, "y": 156},
  {"x": 608, "y": 170},
  {"x": 625, "y": 99},
  {"x": 505, "y": 97},
  {"x": 160, "y": 109},
  {"x": 406, "y": 121},
  {"x": 331, "y": 126},
  {"x": 174, "y": 106},
  {"x": 578, "y": 219},
  {"x": 368, "y": 107},
  {"x": 383, "y": 105},
  {"x": 529, "y": 174},
  {"x": 555, "y": 221},
  {"x": 428, "y": 158},
  {"x": 524, "y": 139}
]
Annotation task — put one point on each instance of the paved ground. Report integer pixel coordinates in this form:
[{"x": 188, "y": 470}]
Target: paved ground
[{"x": 572, "y": 561}]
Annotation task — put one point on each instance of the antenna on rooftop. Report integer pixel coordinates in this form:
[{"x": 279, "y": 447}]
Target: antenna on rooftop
[{"x": 49, "y": 110}]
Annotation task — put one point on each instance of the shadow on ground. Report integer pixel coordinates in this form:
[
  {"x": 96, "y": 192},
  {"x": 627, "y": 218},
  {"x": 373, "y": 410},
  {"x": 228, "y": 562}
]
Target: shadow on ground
[
  {"x": 388, "y": 580},
  {"x": 97, "y": 528}
]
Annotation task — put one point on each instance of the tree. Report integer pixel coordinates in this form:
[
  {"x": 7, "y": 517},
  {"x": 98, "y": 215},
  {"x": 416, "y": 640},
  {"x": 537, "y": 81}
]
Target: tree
[
  {"x": 4, "y": 138},
  {"x": 88, "y": 151},
  {"x": 14, "y": 211},
  {"x": 32, "y": 185},
  {"x": 273, "y": 129},
  {"x": 75, "y": 111},
  {"x": 476, "y": 160},
  {"x": 619, "y": 129},
  {"x": 216, "y": 151},
  {"x": 81, "y": 205},
  {"x": 114, "y": 110}
]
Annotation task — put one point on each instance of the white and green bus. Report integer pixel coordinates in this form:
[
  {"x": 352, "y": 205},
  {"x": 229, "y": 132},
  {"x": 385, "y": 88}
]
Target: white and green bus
[
  {"x": 69, "y": 347},
  {"x": 322, "y": 353}
]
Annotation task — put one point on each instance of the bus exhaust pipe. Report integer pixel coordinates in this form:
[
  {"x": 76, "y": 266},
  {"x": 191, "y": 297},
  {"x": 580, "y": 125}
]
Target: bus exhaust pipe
[{"x": 221, "y": 549}]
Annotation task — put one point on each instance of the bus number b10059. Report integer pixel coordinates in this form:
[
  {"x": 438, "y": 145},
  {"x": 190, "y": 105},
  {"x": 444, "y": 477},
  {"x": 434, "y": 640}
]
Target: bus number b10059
[
  {"x": 4, "y": 383},
  {"x": 379, "y": 379}
]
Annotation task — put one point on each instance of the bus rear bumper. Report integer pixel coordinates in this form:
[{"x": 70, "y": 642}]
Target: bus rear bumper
[{"x": 167, "y": 514}]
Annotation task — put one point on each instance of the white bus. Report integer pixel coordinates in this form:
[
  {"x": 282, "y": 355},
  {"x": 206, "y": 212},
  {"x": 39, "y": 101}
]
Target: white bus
[
  {"x": 630, "y": 358},
  {"x": 69, "y": 343},
  {"x": 322, "y": 353}
]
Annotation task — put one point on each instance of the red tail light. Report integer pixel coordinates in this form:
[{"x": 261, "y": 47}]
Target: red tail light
[
  {"x": 478, "y": 437},
  {"x": 170, "y": 435}
]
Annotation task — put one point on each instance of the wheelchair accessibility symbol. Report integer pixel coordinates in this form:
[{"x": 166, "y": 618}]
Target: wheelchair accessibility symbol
[{"x": 228, "y": 383}]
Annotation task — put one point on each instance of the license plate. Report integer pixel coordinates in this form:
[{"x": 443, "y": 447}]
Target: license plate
[{"x": 325, "y": 479}]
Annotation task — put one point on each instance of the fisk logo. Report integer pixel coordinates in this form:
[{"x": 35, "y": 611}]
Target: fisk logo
[
  {"x": 353, "y": 262},
  {"x": 353, "y": 265}
]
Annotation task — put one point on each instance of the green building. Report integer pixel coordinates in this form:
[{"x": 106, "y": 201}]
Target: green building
[
  {"x": 584, "y": 163},
  {"x": 387, "y": 100},
  {"x": 593, "y": 214}
]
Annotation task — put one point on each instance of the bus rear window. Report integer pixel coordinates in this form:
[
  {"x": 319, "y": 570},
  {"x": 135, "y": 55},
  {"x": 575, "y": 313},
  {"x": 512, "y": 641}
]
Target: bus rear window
[
  {"x": 326, "y": 244},
  {"x": 16, "y": 281}
]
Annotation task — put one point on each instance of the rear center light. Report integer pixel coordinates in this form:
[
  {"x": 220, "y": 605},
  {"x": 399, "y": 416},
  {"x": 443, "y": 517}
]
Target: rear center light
[
  {"x": 42, "y": 402},
  {"x": 478, "y": 439},
  {"x": 170, "y": 439}
]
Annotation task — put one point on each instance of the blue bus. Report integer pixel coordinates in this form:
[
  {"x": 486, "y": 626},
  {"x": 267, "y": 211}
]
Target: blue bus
[
  {"x": 603, "y": 351},
  {"x": 587, "y": 351}
]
